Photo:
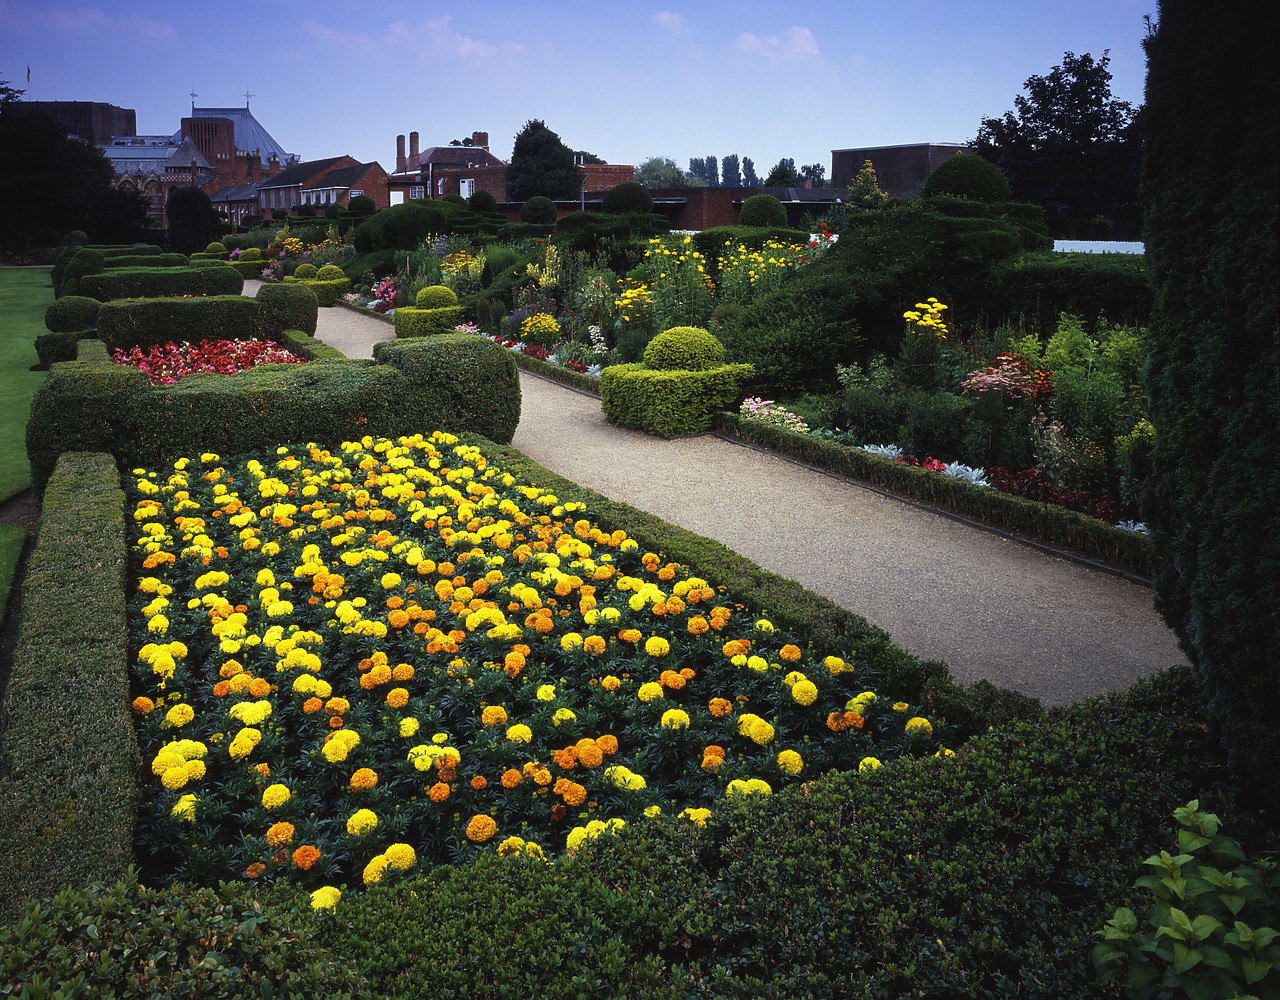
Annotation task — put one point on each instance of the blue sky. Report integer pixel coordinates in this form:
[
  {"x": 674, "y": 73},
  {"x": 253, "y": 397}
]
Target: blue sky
[{"x": 673, "y": 79}]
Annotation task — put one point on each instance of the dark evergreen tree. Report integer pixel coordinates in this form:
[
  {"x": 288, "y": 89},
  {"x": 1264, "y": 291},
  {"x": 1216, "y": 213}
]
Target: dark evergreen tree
[
  {"x": 541, "y": 165},
  {"x": 749, "y": 178},
  {"x": 1071, "y": 147},
  {"x": 1213, "y": 375},
  {"x": 190, "y": 215},
  {"x": 813, "y": 174},
  {"x": 730, "y": 171},
  {"x": 783, "y": 174}
]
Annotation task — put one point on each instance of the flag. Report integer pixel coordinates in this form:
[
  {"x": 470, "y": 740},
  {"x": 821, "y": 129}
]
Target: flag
[{"x": 28, "y": 72}]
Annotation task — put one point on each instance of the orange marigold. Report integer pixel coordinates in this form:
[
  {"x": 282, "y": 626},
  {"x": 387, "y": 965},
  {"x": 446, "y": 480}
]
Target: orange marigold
[
  {"x": 594, "y": 644},
  {"x": 573, "y": 793},
  {"x": 255, "y": 869},
  {"x": 479, "y": 782},
  {"x": 144, "y": 706},
  {"x": 630, "y": 635},
  {"x": 397, "y": 698},
  {"x": 697, "y": 625},
  {"x": 280, "y": 834},
  {"x": 439, "y": 791},
  {"x": 720, "y": 707},
  {"x": 608, "y": 744},
  {"x": 259, "y": 687},
  {"x": 312, "y": 705},
  {"x": 402, "y": 672},
  {"x": 481, "y": 828},
  {"x": 365, "y": 777},
  {"x": 306, "y": 856},
  {"x": 222, "y": 689},
  {"x": 565, "y": 757},
  {"x": 789, "y": 652},
  {"x": 836, "y": 722},
  {"x": 510, "y": 778},
  {"x": 398, "y": 619}
]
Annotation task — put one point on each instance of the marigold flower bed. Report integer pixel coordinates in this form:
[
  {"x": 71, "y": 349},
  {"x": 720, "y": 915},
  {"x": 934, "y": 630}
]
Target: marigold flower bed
[
  {"x": 164, "y": 364},
  {"x": 352, "y": 664}
]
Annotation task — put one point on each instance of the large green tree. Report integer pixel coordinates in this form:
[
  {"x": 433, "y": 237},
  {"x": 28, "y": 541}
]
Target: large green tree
[
  {"x": 783, "y": 174},
  {"x": 1213, "y": 376},
  {"x": 1073, "y": 148},
  {"x": 660, "y": 172},
  {"x": 541, "y": 165}
]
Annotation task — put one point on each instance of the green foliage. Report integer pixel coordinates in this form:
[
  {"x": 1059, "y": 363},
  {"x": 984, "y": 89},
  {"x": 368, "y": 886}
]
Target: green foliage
[
  {"x": 305, "y": 271},
  {"x": 762, "y": 210},
  {"x": 687, "y": 348},
  {"x": 417, "y": 322},
  {"x": 628, "y": 197},
  {"x": 132, "y": 260},
  {"x": 669, "y": 403},
  {"x": 331, "y": 272},
  {"x": 539, "y": 211},
  {"x": 400, "y": 227},
  {"x": 128, "y": 282},
  {"x": 970, "y": 177},
  {"x": 483, "y": 202},
  {"x": 71, "y": 312},
  {"x": 783, "y": 174},
  {"x": 69, "y": 754},
  {"x": 190, "y": 215},
  {"x": 287, "y": 307},
  {"x": 1097, "y": 286},
  {"x": 864, "y": 192},
  {"x": 362, "y": 204},
  {"x": 934, "y": 424},
  {"x": 123, "y": 940},
  {"x": 81, "y": 263},
  {"x": 436, "y": 297},
  {"x": 127, "y": 323},
  {"x": 1214, "y": 921},
  {"x": 1214, "y": 377},
  {"x": 541, "y": 165}
]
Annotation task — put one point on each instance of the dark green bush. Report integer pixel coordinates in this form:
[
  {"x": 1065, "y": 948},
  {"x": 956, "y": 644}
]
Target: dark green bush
[
  {"x": 82, "y": 263},
  {"x": 762, "y": 210},
  {"x": 689, "y": 348},
  {"x": 51, "y": 347},
  {"x": 69, "y": 755},
  {"x": 287, "y": 307},
  {"x": 330, "y": 272},
  {"x": 127, "y": 283},
  {"x": 669, "y": 403},
  {"x": 627, "y": 197},
  {"x": 362, "y": 204},
  {"x": 133, "y": 260},
  {"x": 873, "y": 416},
  {"x": 615, "y": 240},
  {"x": 539, "y": 211},
  {"x": 77, "y": 237},
  {"x": 1098, "y": 287},
  {"x": 483, "y": 202},
  {"x": 400, "y": 227},
  {"x": 934, "y": 424},
  {"x": 147, "y": 322},
  {"x": 304, "y": 271},
  {"x": 71, "y": 312},
  {"x": 190, "y": 215},
  {"x": 967, "y": 176}
]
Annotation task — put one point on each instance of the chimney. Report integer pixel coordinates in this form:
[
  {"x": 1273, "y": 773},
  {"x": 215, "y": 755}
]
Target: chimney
[
  {"x": 480, "y": 139},
  {"x": 413, "y": 149},
  {"x": 400, "y": 164}
]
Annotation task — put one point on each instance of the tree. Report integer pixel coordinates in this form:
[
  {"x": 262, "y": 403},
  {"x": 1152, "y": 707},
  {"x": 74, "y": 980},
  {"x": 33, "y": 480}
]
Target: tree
[
  {"x": 582, "y": 156},
  {"x": 783, "y": 174},
  {"x": 541, "y": 165},
  {"x": 8, "y": 95},
  {"x": 730, "y": 172},
  {"x": 1071, "y": 147},
  {"x": 190, "y": 215},
  {"x": 813, "y": 174},
  {"x": 660, "y": 172},
  {"x": 115, "y": 216},
  {"x": 749, "y": 178},
  {"x": 1213, "y": 373},
  {"x": 967, "y": 176},
  {"x": 865, "y": 191},
  {"x": 706, "y": 168}
]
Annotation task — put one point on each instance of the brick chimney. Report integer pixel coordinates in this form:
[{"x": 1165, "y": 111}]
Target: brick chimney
[
  {"x": 400, "y": 164},
  {"x": 480, "y": 139},
  {"x": 413, "y": 150}
]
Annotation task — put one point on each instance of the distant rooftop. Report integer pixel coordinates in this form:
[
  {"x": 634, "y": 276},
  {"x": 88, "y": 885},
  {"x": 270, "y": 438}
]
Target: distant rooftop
[{"x": 249, "y": 133}]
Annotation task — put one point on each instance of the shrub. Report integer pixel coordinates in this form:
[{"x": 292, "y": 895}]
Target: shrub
[
  {"x": 250, "y": 253},
  {"x": 669, "y": 403},
  {"x": 287, "y": 307},
  {"x": 190, "y": 215},
  {"x": 71, "y": 312},
  {"x": 305, "y": 271},
  {"x": 762, "y": 210},
  {"x": 539, "y": 211},
  {"x": 435, "y": 297},
  {"x": 687, "y": 348},
  {"x": 75, "y": 238},
  {"x": 362, "y": 204},
  {"x": 400, "y": 227},
  {"x": 1096, "y": 286},
  {"x": 627, "y": 198},
  {"x": 83, "y": 262},
  {"x": 411, "y": 321},
  {"x": 124, "y": 282},
  {"x": 147, "y": 322},
  {"x": 967, "y": 176},
  {"x": 934, "y": 423},
  {"x": 330, "y": 272},
  {"x": 215, "y": 247},
  {"x": 483, "y": 202}
]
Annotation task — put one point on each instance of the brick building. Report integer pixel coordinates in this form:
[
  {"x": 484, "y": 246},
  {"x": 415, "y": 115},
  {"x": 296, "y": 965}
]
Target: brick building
[
  {"x": 92, "y": 121},
  {"x": 332, "y": 181},
  {"x": 900, "y": 170}
]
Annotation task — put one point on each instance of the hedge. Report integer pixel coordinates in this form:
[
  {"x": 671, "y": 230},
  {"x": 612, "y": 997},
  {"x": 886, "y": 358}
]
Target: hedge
[
  {"x": 326, "y": 292},
  {"x": 287, "y": 307},
  {"x": 131, "y": 283},
  {"x": 454, "y": 382},
  {"x": 69, "y": 756},
  {"x": 1095, "y": 286},
  {"x": 410, "y": 321},
  {"x": 147, "y": 260},
  {"x": 148, "y": 322},
  {"x": 669, "y": 403}
]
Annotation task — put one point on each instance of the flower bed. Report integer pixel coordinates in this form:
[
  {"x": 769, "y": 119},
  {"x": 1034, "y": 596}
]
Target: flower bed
[
  {"x": 164, "y": 364},
  {"x": 428, "y": 658}
]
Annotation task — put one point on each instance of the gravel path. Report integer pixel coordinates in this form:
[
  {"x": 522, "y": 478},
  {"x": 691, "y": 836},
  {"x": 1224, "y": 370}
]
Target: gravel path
[{"x": 987, "y": 606}]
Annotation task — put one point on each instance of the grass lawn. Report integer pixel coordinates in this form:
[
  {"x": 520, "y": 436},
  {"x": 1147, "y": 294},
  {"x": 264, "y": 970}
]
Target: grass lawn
[{"x": 24, "y": 295}]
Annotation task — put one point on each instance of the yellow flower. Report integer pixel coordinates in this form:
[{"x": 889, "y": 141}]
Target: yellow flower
[
  {"x": 361, "y": 822},
  {"x": 868, "y": 764},
  {"x": 657, "y": 646},
  {"x": 697, "y": 816},
  {"x": 919, "y": 726},
  {"x": 374, "y": 869},
  {"x": 325, "y": 898},
  {"x": 804, "y": 692},
  {"x": 674, "y": 718},
  {"x": 481, "y": 828},
  {"x": 185, "y": 808},
  {"x": 519, "y": 733},
  {"x": 650, "y": 691},
  {"x": 401, "y": 856},
  {"x": 179, "y": 715},
  {"x": 790, "y": 762},
  {"x": 546, "y": 692},
  {"x": 275, "y": 796}
]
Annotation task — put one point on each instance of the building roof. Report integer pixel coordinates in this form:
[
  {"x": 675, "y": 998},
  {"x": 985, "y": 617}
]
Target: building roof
[
  {"x": 343, "y": 177},
  {"x": 150, "y": 156},
  {"x": 300, "y": 173},
  {"x": 249, "y": 133},
  {"x": 236, "y": 192}
]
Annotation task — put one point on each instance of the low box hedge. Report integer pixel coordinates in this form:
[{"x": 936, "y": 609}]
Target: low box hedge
[
  {"x": 68, "y": 754},
  {"x": 147, "y": 322},
  {"x": 287, "y": 307},
  {"x": 134, "y": 283},
  {"x": 459, "y": 383},
  {"x": 146, "y": 260},
  {"x": 326, "y": 292},
  {"x": 249, "y": 268},
  {"x": 410, "y": 321},
  {"x": 59, "y": 346},
  {"x": 669, "y": 403}
]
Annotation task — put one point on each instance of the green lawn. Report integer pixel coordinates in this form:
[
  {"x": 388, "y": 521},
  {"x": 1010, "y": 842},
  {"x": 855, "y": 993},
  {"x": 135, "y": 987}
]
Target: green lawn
[{"x": 24, "y": 295}]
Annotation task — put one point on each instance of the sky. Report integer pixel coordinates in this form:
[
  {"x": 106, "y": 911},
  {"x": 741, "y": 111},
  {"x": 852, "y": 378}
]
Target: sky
[{"x": 625, "y": 82}]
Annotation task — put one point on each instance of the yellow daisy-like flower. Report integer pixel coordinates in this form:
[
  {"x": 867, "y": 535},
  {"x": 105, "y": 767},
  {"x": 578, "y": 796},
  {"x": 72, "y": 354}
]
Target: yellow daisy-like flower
[
  {"x": 697, "y": 816},
  {"x": 748, "y": 786},
  {"x": 374, "y": 870},
  {"x": 179, "y": 715},
  {"x": 401, "y": 856},
  {"x": 409, "y": 727},
  {"x": 546, "y": 692}
]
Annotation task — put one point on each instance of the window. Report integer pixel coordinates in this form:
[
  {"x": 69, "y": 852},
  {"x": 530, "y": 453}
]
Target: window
[
  {"x": 415, "y": 191},
  {"x": 467, "y": 187}
]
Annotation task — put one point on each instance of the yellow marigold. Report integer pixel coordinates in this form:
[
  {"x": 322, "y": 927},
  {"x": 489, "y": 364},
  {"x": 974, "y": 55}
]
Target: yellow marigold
[
  {"x": 179, "y": 715},
  {"x": 868, "y": 763},
  {"x": 541, "y": 776},
  {"x": 790, "y": 762},
  {"x": 804, "y": 692},
  {"x": 481, "y": 828},
  {"x": 274, "y": 796},
  {"x": 519, "y": 733},
  {"x": 657, "y": 646},
  {"x": 375, "y": 869},
  {"x": 325, "y": 898},
  {"x": 365, "y": 777},
  {"x": 900, "y": 706},
  {"x": 546, "y": 692},
  {"x": 649, "y": 691},
  {"x": 610, "y": 683},
  {"x": 919, "y": 726},
  {"x": 185, "y": 808},
  {"x": 511, "y": 847},
  {"x": 675, "y": 718},
  {"x": 697, "y": 816},
  {"x": 280, "y": 834},
  {"x": 401, "y": 856},
  {"x": 397, "y": 698},
  {"x": 175, "y": 777},
  {"x": 409, "y": 727},
  {"x": 361, "y": 822},
  {"x": 748, "y": 786},
  {"x": 493, "y": 715}
]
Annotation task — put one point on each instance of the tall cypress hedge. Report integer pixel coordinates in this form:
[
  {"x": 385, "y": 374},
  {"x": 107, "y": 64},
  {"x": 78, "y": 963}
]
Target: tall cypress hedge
[{"x": 1213, "y": 497}]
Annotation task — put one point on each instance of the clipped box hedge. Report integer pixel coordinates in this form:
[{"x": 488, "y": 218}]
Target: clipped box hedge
[
  {"x": 326, "y": 292},
  {"x": 134, "y": 283},
  {"x": 456, "y": 383},
  {"x": 147, "y": 322},
  {"x": 410, "y": 321},
  {"x": 68, "y": 753},
  {"x": 1037, "y": 287},
  {"x": 146, "y": 260},
  {"x": 669, "y": 403},
  {"x": 287, "y": 307}
]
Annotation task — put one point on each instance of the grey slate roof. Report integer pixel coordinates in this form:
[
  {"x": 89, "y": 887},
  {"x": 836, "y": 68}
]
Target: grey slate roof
[
  {"x": 343, "y": 177},
  {"x": 236, "y": 192},
  {"x": 299, "y": 173},
  {"x": 250, "y": 134},
  {"x": 154, "y": 157}
]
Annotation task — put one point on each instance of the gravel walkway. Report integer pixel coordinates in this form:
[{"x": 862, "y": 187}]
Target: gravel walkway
[{"x": 987, "y": 606}]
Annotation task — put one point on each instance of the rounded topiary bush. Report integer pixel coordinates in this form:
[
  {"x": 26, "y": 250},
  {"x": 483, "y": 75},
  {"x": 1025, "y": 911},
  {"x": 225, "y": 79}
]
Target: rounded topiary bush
[
  {"x": 436, "y": 297},
  {"x": 70, "y": 313},
  {"x": 215, "y": 247},
  {"x": 305, "y": 272},
  {"x": 287, "y": 307},
  {"x": 628, "y": 198},
  {"x": 306, "y": 211},
  {"x": 331, "y": 272},
  {"x": 362, "y": 204},
  {"x": 684, "y": 348},
  {"x": 76, "y": 238},
  {"x": 967, "y": 176},
  {"x": 455, "y": 199},
  {"x": 483, "y": 201},
  {"x": 86, "y": 261},
  {"x": 250, "y": 253},
  {"x": 762, "y": 210},
  {"x": 539, "y": 211}
]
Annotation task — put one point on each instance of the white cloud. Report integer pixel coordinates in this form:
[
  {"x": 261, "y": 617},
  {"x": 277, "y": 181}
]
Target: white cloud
[
  {"x": 670, "y": 22},
  {"x": 426, "y": 38},
  {"x": 66, "y": 20},
  {"x": 795, "y": 43}
]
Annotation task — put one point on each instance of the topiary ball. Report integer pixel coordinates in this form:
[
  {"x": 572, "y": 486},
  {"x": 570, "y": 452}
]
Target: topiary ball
[
  {"x": 967, "y": 176},
  {"x": 72, "y": 312},
  {"x": 362, "y": 203},
  {"x": 539, "y": 211},
  {"x": 436, "y": 297},
  {"x": 305, "y": 272},
  {"x": 483, "y": 201},
  {"x": 75, "y": 238},
  {"x": 684, "y": 348},
  {"x": 250, "y": 253},
  {"x": 628, "y": 198},
  {"x": 331, "y": 272},
  {"x": 762, "y": 210},
  {"x": 215, "y": 247}
]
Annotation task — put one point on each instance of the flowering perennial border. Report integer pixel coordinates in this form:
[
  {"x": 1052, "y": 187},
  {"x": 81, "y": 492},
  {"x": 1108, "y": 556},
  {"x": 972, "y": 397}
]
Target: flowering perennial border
[{"x": 352, "y": 663}]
